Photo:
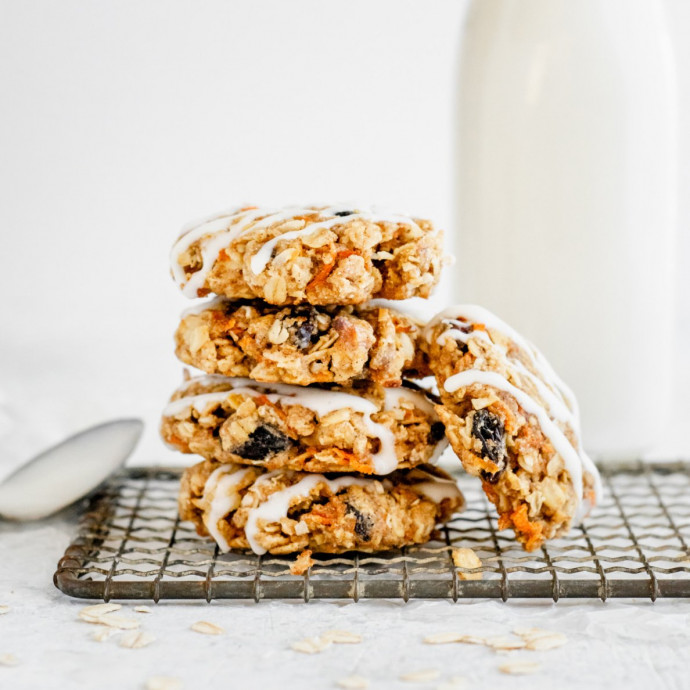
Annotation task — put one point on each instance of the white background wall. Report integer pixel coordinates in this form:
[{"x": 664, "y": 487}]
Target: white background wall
[{"x": 122, "y": 120}]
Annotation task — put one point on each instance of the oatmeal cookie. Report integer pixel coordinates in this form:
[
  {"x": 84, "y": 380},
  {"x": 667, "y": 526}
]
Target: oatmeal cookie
[
  {"x": 312, "y": 255},
  {"x": 512, "y": 422},
  {"x": 301, "y": 345},
  {"x": 367, "y": 429},
  {"x": 284, "y": 511}
]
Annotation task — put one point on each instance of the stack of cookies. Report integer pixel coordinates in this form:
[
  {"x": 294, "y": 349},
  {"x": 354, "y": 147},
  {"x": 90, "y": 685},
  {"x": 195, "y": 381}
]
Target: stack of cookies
[{"x": 312, "y": 436}]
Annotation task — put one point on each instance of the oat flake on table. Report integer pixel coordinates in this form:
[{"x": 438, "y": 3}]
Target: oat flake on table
[
  {"x": 206, "y": 628},
  {"x": 519, "y": 667}
]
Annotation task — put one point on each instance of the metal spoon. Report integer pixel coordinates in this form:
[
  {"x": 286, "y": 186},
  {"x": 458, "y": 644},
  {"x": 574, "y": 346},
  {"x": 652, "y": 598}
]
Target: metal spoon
[{"x": 68, "y": 471}]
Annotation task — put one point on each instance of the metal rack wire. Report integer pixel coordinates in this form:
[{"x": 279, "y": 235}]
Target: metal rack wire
[{"x": 132, "y": 545}]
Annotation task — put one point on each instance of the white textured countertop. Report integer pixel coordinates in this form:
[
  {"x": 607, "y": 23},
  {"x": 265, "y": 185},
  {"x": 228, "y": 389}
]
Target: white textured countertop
[{"x": 631, "y": 645}]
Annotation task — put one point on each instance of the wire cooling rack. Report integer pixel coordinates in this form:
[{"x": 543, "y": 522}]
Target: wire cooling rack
[{"x": 132, "y": 545}]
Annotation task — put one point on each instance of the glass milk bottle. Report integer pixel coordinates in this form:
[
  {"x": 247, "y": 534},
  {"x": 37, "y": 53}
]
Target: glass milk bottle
[{"x": 566, "y": 198}]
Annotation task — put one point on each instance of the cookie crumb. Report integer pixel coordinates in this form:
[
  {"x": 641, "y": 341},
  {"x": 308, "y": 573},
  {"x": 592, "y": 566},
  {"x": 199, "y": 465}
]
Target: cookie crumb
[
  {"x": 206, "y": 628},
  {"x": 353, "y": 683},
  {"x": 520, "y": 668},
  {"x": 142, "y": 609},
  {"x": 303, "y": 562},
  {"x": 4, "y": 609},
  {"x": 8, "y": 660},
  {"x": 466, "y": 559},
  {"x": 423, "y": 676}
]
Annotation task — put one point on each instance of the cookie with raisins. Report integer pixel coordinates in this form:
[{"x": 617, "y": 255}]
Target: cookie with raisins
[
  {"x": 283, "y": 512},
  {"x": 366, "y": 429},
  {"x": 511, "y": 421},
  {"x": 301, "y": 345},
  {"x": 308, "y": 255}
]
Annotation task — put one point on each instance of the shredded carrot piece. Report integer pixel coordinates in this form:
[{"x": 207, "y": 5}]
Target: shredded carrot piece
[
  {"x": 326, "y": 269},
  {"x": 176, "y": 441},
  {"x": 490, "y": 493},
  {"x": 504, "y": 522},
  {"x": 323, "y": 517},
  {"x": 353, "y": 460},
  {"x": 522, "y": 524}
]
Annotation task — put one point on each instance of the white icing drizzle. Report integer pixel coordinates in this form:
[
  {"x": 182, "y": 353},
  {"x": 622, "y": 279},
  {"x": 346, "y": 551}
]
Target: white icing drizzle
[
  {"x": 556, "y": 406},
  {"x": 574, "y": 460},
  {"x": 203, "y": 306},
  {"x": 438, "y": 451},
  {"x": 437, "y": 488},
  {"x": 212, "y": 379},
  {"x": 215, "y": 233},
  {"x": 412, "y": 307},
  {"x": 393, "y": 396},
  {"x": 218, "y": 231},
  {"x": 199, "y": 403},
  {"x": 473, "y": 313},
  {"x": 221, "y": 492},
  {"x": 277, "y": 505},
  {"x": 320, "y": 401}
]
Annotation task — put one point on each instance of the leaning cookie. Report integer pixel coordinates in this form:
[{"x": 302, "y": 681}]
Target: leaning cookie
[
  {"x": 311, "y": 255},
  {"x": 301, "y": 345},
  {"x": 283, "y": 511},
  {"x": 512, "y": 422},
  {"x": 368, "y": 429}
]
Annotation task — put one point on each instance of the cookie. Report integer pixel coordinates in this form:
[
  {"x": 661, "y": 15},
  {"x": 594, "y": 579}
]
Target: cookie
[
  {"x": 283, "y": 511},
  {"x": 512, "y": 422},
  {"x": 368, "y": 429},
  {"x": 312, "y": 255},
  {"x": 301, "y": 345}
]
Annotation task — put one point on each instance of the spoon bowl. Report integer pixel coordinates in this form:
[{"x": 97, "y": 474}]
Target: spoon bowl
[{"x": 68, "y": 471}]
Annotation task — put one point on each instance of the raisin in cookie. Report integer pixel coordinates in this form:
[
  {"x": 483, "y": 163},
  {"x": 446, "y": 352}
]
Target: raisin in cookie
[
  {"x": 301, "y": 345},
  {"x": 283, "y": 511},
  {"x": 311, "y": 255},
  {"x": 512, "y": 422},
  {"x": 368, "y": 429}
]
